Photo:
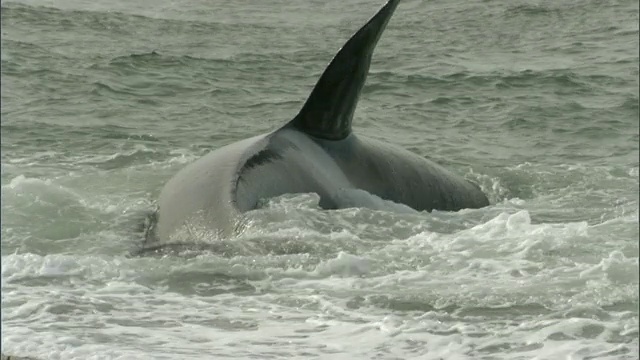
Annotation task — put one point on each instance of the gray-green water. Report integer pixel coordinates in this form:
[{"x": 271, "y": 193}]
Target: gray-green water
[{"x": 536, "y": 101}]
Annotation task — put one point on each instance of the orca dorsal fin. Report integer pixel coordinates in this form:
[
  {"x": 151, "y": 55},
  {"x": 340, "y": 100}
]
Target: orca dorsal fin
[{"x": 328, "y": 111}]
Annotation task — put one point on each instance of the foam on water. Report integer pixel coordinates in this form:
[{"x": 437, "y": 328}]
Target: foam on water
[{"x": 505, "y": 285}]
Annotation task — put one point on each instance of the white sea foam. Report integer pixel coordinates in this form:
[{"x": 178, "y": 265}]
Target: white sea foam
[{"x": 501, "y": 286}]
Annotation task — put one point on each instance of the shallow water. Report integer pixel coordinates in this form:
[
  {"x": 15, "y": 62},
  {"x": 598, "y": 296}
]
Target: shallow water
[{"x": 538, "y": 103}]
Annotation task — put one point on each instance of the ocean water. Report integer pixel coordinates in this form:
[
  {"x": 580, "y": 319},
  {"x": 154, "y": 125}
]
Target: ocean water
[{"x": 536, "y": 101}]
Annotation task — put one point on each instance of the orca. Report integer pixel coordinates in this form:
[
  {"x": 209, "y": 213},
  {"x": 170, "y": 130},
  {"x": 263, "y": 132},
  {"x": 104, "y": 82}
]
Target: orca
[{"x": 315, "y": 152}]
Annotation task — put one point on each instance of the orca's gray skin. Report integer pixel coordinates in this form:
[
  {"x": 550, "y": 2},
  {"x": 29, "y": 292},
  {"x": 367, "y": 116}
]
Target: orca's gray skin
[{"x": 316, "y": 152}]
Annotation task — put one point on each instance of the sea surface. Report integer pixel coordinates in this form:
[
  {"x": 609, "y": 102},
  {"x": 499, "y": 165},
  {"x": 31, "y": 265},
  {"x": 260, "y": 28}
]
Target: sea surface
[{"x": 536, "y": 101}]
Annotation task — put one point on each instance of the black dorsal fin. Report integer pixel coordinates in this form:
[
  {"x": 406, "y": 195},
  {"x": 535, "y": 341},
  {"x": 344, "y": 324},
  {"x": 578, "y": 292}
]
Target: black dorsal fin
[{"x": 328, "y": 111}]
